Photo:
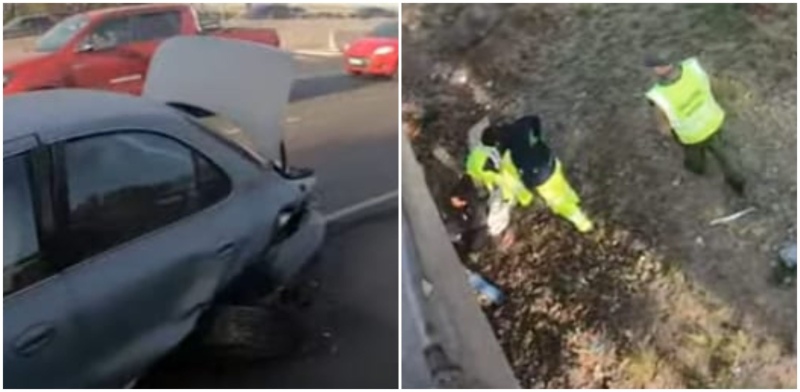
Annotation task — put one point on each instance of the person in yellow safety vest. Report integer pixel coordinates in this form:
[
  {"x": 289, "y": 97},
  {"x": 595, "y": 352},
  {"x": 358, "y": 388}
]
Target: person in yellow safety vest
[
  {"x": 516, "y": 161},
  {"x": 686, "y": 109}
]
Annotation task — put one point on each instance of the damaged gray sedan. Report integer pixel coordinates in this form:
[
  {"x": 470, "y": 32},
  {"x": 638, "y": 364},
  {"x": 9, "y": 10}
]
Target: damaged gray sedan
[{"x": 131, "y": 221}]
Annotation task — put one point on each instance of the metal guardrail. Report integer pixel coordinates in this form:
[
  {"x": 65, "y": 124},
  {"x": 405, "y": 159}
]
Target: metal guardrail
[{"x": 458, "y": 342}]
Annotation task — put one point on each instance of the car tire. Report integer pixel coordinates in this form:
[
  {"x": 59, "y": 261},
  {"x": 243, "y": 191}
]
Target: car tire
[{"x": 250, "y": 333}]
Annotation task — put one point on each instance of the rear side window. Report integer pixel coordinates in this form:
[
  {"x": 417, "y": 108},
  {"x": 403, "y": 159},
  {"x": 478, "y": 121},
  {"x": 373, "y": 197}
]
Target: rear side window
[
  {"x": 22, "y": 261},
  {"x": 157, "y": 26},
  {"x": 123, "y": 185},
  {"x": 41, "y": 24}
]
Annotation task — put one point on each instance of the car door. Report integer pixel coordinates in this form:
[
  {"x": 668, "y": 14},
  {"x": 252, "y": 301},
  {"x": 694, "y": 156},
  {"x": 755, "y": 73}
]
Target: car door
[
  {"x": 146, "y": 256},
  {"x": 41, "y": 339},
  {"x": 103, "y": 59}
]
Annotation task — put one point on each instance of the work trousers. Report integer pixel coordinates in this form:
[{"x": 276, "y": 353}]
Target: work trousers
[{"x": 716, "y": 145}]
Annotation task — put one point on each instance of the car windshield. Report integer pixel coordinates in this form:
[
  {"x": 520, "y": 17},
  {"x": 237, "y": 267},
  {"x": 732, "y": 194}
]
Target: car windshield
[
  {"x": 58, "y": 36},
  {"x": 385, "y": 30}
]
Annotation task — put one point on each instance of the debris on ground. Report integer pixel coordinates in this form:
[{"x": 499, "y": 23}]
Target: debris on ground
[
  {"x": 789, "y": 255},
  {"x": 488, "y": 293},
  {"x": 732, "y": 217},
  {"x": 655, "y": 297}
]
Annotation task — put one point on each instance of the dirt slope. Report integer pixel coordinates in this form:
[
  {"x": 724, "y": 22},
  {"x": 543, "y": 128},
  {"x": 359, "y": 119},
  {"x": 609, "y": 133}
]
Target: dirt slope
[{"x": 657, "y": 297}]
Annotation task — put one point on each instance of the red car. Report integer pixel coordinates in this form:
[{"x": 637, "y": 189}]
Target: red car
[
  {"x": 375, "y": 54},
  {"x": 109, "y": 49}
]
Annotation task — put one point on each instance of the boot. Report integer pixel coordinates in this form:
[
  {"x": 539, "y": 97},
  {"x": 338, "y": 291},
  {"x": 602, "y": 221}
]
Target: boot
[{"x": 581, "y": 222}]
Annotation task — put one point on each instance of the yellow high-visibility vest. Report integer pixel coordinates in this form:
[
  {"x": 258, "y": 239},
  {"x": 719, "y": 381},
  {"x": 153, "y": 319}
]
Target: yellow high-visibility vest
[
  {"x": 689, "y": 104},
  {"x": 506, "y": 177}
]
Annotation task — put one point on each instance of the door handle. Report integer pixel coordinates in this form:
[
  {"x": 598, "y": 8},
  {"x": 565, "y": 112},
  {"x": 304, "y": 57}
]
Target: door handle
[
  {"x": 225, "y": 250},
  {"x": 195, "y": 310},
  {"x": 34, "y": 339}
]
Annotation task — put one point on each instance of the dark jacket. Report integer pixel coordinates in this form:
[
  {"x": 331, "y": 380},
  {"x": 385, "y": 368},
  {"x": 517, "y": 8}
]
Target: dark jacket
[
  {"x": 466, "y": 226},
  {"x": 529, "y": 152}
]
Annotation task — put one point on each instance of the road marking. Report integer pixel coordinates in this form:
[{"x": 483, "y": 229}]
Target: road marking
[
  {"x": 318, "y": 53},
  {"x": 349, "y": 211},
  {"x": 126, "y": 78}
]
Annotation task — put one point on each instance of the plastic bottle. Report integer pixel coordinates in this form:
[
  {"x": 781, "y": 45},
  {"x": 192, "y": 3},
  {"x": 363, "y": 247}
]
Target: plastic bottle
[{"x": 486, "y": 290}]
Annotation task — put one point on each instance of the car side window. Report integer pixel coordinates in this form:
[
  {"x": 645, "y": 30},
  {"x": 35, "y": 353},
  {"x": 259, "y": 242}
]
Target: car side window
[
  {"x": 126, "y": 184},
  {"x": 40, "y": 24},
  {"x": 111, "y": 33},
  {"x": 157, "y": 26},
  {"x": 23, "y": 264}
]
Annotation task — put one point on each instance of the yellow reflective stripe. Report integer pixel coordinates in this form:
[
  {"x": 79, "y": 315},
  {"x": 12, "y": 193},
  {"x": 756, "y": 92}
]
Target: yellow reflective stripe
[
  {"x": 556, "y": 190},
  {"x": 657, "y": 96}
]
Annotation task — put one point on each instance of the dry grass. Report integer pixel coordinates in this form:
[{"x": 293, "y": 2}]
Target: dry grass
[{"x": 622, "y": 307}]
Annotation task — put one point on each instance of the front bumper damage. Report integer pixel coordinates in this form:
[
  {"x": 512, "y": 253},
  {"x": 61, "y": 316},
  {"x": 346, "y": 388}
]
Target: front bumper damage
[{"x": 286, "y": 259}]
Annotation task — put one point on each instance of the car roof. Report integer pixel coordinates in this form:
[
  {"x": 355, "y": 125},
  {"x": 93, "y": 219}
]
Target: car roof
[
  {"x": 103, "y": 12},
  {"x": 32, "y": 16},
  {"x": 56, "y": 114}
]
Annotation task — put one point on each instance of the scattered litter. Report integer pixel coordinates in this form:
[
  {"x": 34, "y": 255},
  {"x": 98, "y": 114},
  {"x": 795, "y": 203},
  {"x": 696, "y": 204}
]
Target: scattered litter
[
  {"x": 459, "y": 76},
  {"x": 788, "y": 255},
  {"x": 731, "y": 217},
  {"x": 487, "y": 292}
]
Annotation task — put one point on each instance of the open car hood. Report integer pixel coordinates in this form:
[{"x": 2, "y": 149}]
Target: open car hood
[{"x": 246, "y": 82}]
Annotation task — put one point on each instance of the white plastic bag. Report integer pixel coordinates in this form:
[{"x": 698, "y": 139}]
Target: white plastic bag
[{"x": 499, "y": 214}]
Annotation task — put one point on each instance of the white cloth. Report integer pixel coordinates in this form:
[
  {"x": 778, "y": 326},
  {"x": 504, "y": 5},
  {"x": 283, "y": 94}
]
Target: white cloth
[{"x": 499, "y": 214}]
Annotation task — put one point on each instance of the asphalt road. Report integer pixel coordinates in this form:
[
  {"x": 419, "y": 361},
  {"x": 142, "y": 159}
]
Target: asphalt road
[{"x": 346, "y": 129}]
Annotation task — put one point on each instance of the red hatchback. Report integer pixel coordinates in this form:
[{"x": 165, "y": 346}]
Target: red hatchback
[{"x": 375, "y": 54}]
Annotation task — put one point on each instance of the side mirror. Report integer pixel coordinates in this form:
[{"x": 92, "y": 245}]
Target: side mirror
[{"x": 93, "y": 46}]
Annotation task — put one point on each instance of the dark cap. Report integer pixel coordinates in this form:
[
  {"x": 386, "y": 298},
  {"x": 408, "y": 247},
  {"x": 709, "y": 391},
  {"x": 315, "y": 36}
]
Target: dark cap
[{"x": 656, "y": 60}]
